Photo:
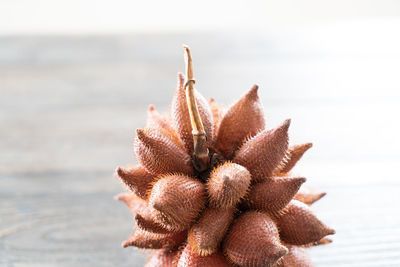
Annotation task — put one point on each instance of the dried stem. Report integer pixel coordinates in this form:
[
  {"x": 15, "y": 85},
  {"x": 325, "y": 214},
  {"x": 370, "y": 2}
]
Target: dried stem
[{"x": 201, "y": 157}]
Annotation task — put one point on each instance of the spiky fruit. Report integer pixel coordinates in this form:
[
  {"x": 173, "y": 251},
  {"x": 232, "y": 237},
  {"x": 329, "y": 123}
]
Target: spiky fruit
[
  {"x": 231, "y": 133},
  {"x": 227, "y": 185},
  {"x": 311, "y": 230},
  {"x": 176, "y": 201},
  {"x": 204, "y": 237},
  {"x": 272, "y": 195},
  {"x": 136, "y": 179},
  {"x": 254, "y": 240},
  {"x": 215, "y": 189}
]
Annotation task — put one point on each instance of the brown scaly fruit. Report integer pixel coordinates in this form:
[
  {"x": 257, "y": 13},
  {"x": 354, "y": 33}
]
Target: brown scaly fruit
[{"x": 214, "y": 188}]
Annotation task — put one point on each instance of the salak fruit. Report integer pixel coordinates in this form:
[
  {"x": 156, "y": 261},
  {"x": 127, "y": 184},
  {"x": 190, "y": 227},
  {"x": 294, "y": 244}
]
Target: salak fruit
[{"x": 213, "y": 187}]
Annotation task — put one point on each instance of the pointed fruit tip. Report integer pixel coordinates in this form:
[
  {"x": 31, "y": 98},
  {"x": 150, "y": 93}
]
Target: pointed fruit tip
[
  {"x": 140, "y": 134},
  {"x": 253, "y": 92},
  {"x": 318, "y": 197},
  {"x": 120, "y": 197},
  {"x": 284, "y": 127},
  {"x": 119, "y": 171},
  {"x": 301, "y": 180},
  {"x": 151, "y": 108},
  {"x": 125, "y": 244},
  {"x": 254, "y": 88},
  {"x": 286, "y": 123}
]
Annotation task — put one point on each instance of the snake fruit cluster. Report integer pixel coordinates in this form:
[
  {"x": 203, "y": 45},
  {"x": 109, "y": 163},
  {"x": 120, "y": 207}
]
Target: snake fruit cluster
[{"x": 244, "y": 209}]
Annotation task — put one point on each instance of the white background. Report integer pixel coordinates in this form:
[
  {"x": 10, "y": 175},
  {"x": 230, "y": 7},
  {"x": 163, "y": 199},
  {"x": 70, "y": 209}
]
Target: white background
[{"x": 122, "y": 16}]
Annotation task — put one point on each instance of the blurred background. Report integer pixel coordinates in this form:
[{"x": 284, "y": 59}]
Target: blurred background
[{"x": 76, "y": 78}]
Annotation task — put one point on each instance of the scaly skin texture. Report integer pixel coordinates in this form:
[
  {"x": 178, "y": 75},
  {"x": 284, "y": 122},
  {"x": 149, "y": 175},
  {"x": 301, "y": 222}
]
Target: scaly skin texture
[
  {"x": 294, "y": 154},
  {"x": 204, "y": 237},
  {"x": 227, "y": 185},
  {"x": 273, "y": 194},
  {"x": 254, "y": 240},
  {"x": 246, "y": 209},
  {"x": 136, "y": 179},
  {"x": 231, "y": 132},
  {"x": 311, "y": 230},
  {"x": 176, "y": 201},
  {"x": 159, "y": 155},
  {"x": 263, "y": 153},
  {"x": 161, "y": 123}
]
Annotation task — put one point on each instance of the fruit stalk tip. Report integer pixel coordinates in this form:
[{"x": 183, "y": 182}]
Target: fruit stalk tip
[{"x": 201, "y": 157}]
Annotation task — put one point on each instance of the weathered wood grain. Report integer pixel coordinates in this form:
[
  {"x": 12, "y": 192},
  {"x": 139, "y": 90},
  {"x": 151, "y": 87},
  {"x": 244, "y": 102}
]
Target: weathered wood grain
[{"x": 69, "y": 107}]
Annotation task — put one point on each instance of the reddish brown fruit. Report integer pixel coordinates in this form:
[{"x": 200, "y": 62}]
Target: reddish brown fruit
[
  {"x": 299, "y": 226},
  {"x": 189, "y": 258},
  {"x": 243, "y": 120},
  {"x": 181, "y": 119},
  {"x": 150, "y": 225},
  {"x": 163, "y": 258},
  {"x": 135, "y": 204},
  {"x": 137, "y": 179},
  {"x": 297, "y": 257},
  {"x": 156, "y": 121},
  {"x": 262, "y": 154},
  {"x": 144, "y": 239},
  {"x": 228, "y": 183},
  {"x": 158, "y": 155},
  {"x": 294, "y": 155},
  {"x": 253, "y": 240},
  {"x": 273, "y": 194},
  {"x": 205, "y": 236},
  {"x": 308, "y": 195},
  {"x": 177, "y": 201},
  {"x": 219, "y": 200}
]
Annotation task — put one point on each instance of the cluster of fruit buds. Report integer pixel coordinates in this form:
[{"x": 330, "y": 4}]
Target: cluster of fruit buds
[{"x": 213, "y": 187}]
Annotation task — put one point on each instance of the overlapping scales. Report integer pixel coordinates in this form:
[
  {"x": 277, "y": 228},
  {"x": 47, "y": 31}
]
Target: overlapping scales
[
  {"x": 231, "y": 130},
  {"x": 253, "y": 241},
  {"x": 299, "y": 226},
  {"x": 159, "y": 155},
  {"x": 263, "y": 153}
]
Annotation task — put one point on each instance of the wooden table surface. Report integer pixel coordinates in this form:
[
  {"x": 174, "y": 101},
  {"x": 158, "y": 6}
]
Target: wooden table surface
[{"x": 69, "y": 107}]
